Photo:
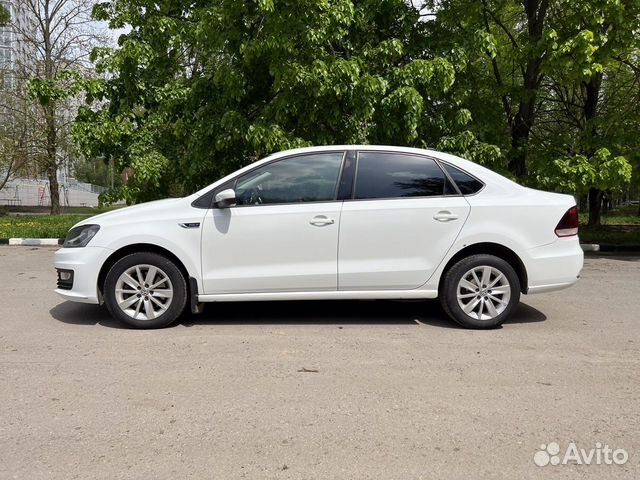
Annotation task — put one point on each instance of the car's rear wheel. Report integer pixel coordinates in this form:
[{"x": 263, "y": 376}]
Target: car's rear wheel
[
  {"x": 480, "y": 291},
  {"x": 145, "y": 290}
]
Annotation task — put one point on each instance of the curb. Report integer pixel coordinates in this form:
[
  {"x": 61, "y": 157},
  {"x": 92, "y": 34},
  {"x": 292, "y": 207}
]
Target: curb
[
  {"x": 594, "y": 247},
  {"x": 620, "y": 248},
  {"x": 32, "y": 242}
]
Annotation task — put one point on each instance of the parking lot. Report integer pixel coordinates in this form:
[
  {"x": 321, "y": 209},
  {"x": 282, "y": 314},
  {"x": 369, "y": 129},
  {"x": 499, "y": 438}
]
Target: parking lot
[{"x": 318, "y": 390}]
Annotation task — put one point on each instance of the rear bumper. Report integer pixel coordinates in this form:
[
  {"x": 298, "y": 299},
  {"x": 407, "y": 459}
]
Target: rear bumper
[
  {"x": 551, "y": 287},
  {"x": 85, "y": 263},
  {"x": 554, "y": 266}
]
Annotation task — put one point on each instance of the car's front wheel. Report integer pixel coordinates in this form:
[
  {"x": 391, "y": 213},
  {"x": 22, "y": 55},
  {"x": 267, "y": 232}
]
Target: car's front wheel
[
  {"x": 480, "y": 291},
  {"x": 145, "y": 290}
]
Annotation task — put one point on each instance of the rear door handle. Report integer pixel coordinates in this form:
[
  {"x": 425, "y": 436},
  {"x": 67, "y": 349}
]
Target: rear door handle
[
  {"x": 445, "y": 216},
  {"x": 321, "y": 220}
]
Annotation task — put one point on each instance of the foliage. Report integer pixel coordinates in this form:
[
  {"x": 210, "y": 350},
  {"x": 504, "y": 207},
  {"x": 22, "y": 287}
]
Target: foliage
[
  {"x": 194, "y": 93},
  {"x": 579, "y": 173},
  {"x": 572, "y": 69},
  {"x": 546, "y": 89},
  {"x": 592, "y": 100},
  {"x": 5, "y": 16},
  {"x": 15, "y": 134},
  {"x": 60, "y": 86},
  {"x": 48, "y": 80},
  {"x": 94, "y": 171}
]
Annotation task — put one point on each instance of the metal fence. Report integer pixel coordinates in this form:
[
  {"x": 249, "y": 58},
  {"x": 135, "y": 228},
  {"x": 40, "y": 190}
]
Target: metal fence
[{"x": 35, "y": 192}]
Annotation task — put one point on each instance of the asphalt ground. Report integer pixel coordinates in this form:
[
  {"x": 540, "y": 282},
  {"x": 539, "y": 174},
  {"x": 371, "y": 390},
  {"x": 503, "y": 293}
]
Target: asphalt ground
[{"x": 318, "y": 390}]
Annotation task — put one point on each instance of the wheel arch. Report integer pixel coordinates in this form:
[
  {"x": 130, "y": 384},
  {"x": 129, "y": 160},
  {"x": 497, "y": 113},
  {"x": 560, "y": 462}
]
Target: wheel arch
[
  {"x": 491, "y": 248},
  {"x": 136, "y": 248}
]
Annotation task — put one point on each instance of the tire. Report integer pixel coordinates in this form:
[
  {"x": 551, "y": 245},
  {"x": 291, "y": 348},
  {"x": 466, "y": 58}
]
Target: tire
[
  {"x": 156, "y": 305},
  {"x": 485, "y": 307}
]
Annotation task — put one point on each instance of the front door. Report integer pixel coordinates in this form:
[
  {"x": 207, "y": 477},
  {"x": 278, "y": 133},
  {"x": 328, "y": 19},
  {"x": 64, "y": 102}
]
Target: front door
[{"x": 282, "y": 236}]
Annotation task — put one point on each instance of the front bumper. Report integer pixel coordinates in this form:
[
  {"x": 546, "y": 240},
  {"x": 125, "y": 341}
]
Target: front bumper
[{"x": 85, "y": 263}]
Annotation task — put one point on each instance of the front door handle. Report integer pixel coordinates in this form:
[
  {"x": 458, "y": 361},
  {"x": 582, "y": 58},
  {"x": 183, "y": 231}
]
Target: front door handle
[
  {"x": 322, "y": 220},
  {"x": 445, "y": 216}
]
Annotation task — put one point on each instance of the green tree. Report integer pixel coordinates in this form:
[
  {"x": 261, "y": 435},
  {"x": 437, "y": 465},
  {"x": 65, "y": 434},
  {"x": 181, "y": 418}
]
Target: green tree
[
  {"x": 195, "y": 92},
  {"x": 50, "y": 75},
  {"x": 14, "y": 134},
  {"x": 538, "y": 78},
  {"x": 592, "y": 93},
  {"x": 507, "y": 44},
  {"x": 94, "y": 171},
  {"x": 5, "y": 16}
]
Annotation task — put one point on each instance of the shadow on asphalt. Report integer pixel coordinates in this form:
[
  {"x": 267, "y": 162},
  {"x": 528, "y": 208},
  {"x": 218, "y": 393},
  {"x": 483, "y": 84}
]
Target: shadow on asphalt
[
  {"x": 344, "y": 312},
  {"x": 82, "y": 314}
]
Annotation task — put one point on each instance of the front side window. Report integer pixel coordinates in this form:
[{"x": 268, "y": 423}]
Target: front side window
[
  {"x": 396, "y": 175},
  {"x": 304, "y": 178}
]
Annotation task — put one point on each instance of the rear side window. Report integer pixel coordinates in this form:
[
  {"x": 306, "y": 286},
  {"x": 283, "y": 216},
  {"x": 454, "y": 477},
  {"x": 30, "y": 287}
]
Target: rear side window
[
  {"x": 465, "y": 182},
  {"x": 395, "y": 175}
]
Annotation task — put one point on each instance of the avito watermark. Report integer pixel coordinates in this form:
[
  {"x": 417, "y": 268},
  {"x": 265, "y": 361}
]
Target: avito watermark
[{"x": 550, "y": 454}]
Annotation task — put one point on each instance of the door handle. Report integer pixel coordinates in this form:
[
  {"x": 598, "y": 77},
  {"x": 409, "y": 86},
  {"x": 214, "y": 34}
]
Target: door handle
[
  {"x": 445, "y": 216},
  {"x": 322, "y": 220}
]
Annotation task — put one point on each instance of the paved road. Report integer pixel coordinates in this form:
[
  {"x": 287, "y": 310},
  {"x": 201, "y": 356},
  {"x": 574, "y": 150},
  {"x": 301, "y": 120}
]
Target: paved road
[{"x": 399, "y": 392}]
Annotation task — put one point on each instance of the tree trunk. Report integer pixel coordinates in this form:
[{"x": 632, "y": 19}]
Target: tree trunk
[
  {"x": 7, "y": 175},
  {"x": 523, "y": 120},
  {"x": 52, "y": 161},
  {"x": 520, "y": 131},
  {"x": 583, "y": 200},
  {"x": 54, "y": 191},
  {"x": 592, "y": 89},
  {"x": 595, "y": 203},
  {"x": 606, "y": 202}
]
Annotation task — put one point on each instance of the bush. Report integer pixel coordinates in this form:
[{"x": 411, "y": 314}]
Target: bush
[{"x": 37, "y": 226}]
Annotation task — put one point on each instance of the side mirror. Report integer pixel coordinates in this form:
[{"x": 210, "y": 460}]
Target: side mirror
[{"x": 226, "y": 198}]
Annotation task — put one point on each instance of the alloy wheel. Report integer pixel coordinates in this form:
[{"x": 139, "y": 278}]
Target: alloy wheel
[
  {"x": 144, "y": 292},
  {"x": 483, "y": 292}
]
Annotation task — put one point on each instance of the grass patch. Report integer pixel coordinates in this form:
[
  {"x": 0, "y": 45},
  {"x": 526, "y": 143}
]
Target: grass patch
[
  {"x": 629, "y": 210},
  {"x": 38, "y": 226},
  {"x": 613, "y": 219},
  {"x": 629, "y": 220},
  {"x": 610, "y": 236},
  {"x": 618, "y": 216}
]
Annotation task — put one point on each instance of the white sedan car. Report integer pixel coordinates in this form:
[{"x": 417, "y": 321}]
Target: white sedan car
[{"x": 333, "y": 222}]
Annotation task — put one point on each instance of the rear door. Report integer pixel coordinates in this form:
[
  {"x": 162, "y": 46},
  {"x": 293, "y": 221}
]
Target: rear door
[{"x": 403, "y": 216}]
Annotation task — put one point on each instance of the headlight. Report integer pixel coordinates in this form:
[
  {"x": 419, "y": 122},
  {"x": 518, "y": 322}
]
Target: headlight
[{"x": 80, "y": 236}]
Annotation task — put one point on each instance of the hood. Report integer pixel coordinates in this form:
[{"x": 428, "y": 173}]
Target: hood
[{"x": 142, "y": 210}]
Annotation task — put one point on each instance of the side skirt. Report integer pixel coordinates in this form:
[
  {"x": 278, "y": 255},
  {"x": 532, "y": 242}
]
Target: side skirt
[{"x": 335, "y": 295}]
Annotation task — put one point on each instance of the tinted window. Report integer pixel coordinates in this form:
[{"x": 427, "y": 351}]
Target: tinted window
[
  {"x": 449, "y": 189},
  {"x": 465, "y": 182},
  {"x": 392, "y": 175},
  {"x": 306, "y": 178}
]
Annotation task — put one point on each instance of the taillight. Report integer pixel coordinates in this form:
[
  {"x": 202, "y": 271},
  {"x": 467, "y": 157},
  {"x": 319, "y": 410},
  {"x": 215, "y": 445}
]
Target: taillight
[{"x": 568, "y": 224}]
